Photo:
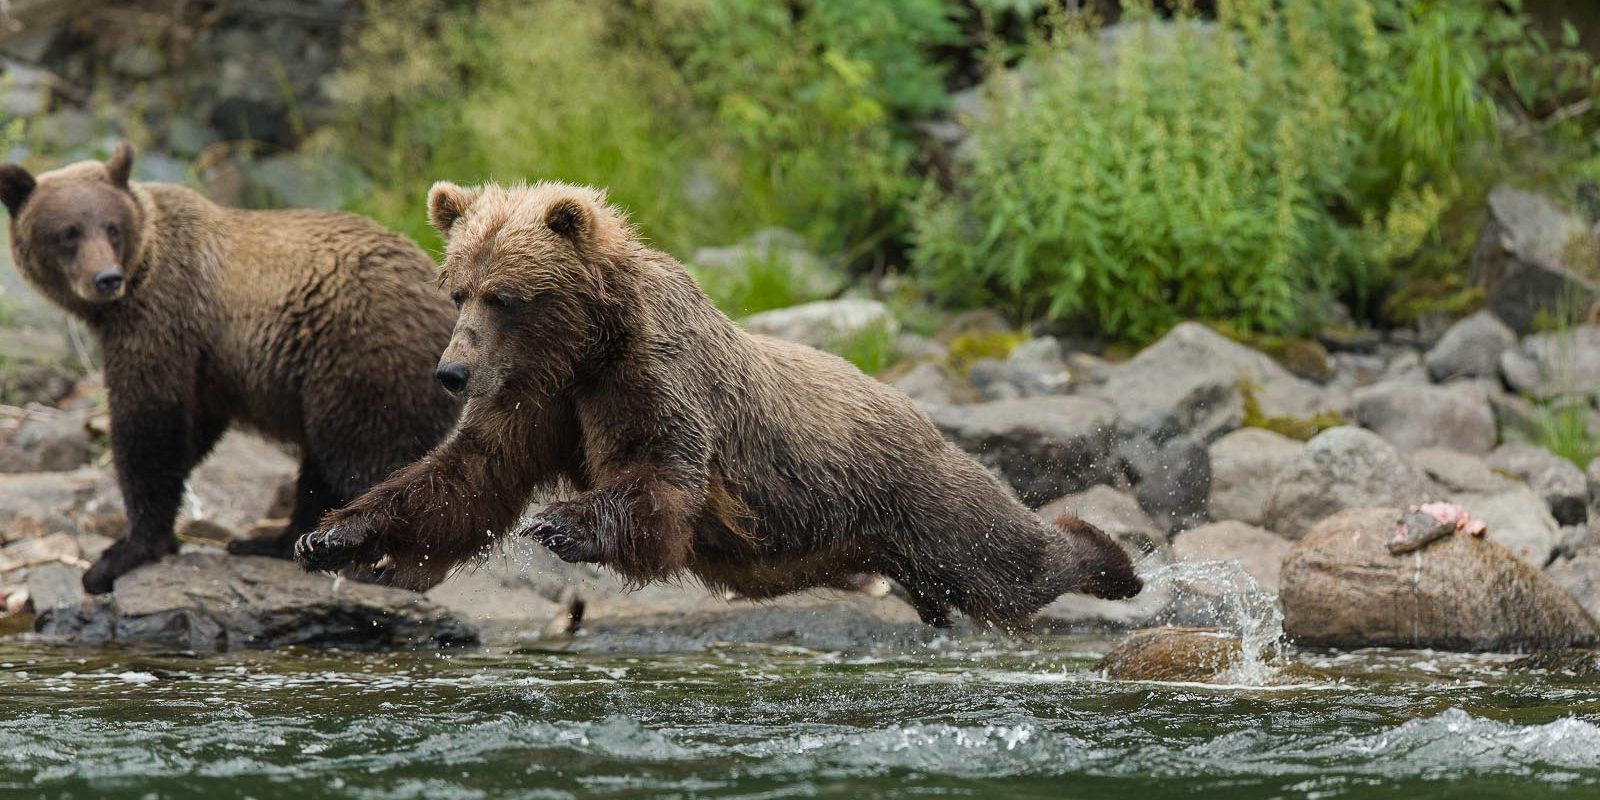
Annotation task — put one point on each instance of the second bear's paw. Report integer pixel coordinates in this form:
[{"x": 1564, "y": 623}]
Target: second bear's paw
[
  {"x": 568, "y": 541},
  {"x": 336, "y": 546}
]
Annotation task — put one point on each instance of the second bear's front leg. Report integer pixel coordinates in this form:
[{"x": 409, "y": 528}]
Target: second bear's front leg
[
  {"x": 640, "y": 528},
  {"x": 569, "y": 532}
]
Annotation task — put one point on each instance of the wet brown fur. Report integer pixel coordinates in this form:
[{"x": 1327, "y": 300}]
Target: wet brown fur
[
  {"x": 756, "y": 465},
  {"x": 315, "y": 328}
]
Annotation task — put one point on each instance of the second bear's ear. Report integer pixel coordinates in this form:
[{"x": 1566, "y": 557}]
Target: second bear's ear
[
  {"x": 120, "y": 165},
  {"x": 570, "y": 218},
  {"x": 16, "y": 185},
  {"x": 448, "y": 203}
]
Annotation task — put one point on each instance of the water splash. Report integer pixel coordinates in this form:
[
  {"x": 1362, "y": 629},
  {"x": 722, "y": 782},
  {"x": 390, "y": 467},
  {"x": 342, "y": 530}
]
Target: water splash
[{"x": 1222, "y": 594}]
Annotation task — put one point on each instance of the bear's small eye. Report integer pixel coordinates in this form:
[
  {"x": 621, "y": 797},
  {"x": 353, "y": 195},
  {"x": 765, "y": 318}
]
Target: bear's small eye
[
  {"x": 458, "y": 297},
  {"x": 114, "y": 231},
  {"x": 500, "y": 302},
  {"x": 69, "y": 235}
]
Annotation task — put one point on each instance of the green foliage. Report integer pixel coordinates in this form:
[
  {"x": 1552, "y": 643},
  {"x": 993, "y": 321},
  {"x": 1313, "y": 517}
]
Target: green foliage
[
  {"x": 1563, "y": 429},
  {"x": 762, "y": 283},
  {"x": 515, "y": 91},
  {"x": 871, "y": 349},
  {"x": 1246, "y": 171},
  {"x": 705, "y": 118},
  {"x": 815, "y": 105}
]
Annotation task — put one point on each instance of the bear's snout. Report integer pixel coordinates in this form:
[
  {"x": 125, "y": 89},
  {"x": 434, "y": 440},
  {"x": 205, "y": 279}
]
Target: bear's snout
[
  {"x": 452, "y": 375},
  {"x": 108, "y": 281}
]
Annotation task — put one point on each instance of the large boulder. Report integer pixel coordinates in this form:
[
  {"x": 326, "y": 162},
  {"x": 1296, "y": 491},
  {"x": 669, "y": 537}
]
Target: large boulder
[
  {"x": 1340, "y": 468},
  {"x": 1190, "y": 381},
  {"x": 1519, "y": 520},
  {"x": 1258, "y": 551},
  {"x": 1033, "y": 368},
  {"x": 1415, "y": 415},
  {"x": 1045, "y": 447},
  {"x": 214, "y": 601},
  {"x": 1471, "y": 348},
  {"x": 824, "y": 323},
  {"x": 1243, "y": 465},
  {"x": 1557, "y": 480},
  {"x": 1343, "y": 588},
  {"x": 1531, "y": 257}
]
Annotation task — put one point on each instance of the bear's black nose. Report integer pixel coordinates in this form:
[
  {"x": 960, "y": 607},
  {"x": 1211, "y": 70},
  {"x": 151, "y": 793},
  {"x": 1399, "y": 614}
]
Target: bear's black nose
[
  {"x": 452, "y": 375},
  {"x": 107, "y": 281}
]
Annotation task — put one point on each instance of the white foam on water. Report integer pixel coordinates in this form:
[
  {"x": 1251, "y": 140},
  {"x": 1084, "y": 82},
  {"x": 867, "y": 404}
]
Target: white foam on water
[{"x": 1224, "y": 595}]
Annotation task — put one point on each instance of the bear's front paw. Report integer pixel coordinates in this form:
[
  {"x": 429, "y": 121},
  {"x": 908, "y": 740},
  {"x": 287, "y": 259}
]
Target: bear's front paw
[
  {"x": 348, "y": 541},
  {"x": 566, "y": 539},
  {"x": 120, "y": 559}
]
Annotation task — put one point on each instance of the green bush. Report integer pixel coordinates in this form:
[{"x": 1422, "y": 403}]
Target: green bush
[
  {"x": 1248, "y": 170},
  {"x": 706, "y": 119}
]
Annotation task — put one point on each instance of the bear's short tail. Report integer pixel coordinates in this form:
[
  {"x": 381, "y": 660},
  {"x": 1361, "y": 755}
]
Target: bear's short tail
[{"x": 1091, "y": 562}]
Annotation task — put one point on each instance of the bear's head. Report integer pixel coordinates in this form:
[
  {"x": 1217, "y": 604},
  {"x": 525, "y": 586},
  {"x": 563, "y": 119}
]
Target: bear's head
[
  {"x": 535, "y": 271},
  {"x": 75, "y": 231}
]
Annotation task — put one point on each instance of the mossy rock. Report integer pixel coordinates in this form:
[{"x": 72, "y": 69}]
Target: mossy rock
[{"x": 1298, "y": 428}]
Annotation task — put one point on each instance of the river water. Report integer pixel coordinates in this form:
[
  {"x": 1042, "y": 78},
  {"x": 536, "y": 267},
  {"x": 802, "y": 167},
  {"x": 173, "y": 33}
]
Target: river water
[{"x": 993, "y": 717}]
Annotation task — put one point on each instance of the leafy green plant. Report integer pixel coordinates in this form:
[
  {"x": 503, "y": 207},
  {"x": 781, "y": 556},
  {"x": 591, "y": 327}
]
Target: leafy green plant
[
  {"x": 1248, "y": 171},
  {"x": 762, "y": 283},
  {"x": 1563, "y": 429},
  {"x": 871, "y": 349}
]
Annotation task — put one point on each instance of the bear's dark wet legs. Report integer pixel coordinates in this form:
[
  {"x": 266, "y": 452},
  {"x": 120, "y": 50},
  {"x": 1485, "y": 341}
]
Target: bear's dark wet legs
[{"x": 313, "y": 497}]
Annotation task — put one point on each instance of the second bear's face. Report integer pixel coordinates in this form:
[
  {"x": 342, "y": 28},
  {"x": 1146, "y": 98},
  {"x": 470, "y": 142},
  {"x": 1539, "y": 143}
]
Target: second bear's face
[
  {"x": 75, "y": 231},
  {"x": 527, "y": 267}
]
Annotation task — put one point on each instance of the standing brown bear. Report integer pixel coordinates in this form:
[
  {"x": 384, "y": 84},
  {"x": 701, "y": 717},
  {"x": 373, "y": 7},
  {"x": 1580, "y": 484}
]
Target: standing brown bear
[
  {"x": 315, "y": 328},
  {"x": 754, "y": 464}
]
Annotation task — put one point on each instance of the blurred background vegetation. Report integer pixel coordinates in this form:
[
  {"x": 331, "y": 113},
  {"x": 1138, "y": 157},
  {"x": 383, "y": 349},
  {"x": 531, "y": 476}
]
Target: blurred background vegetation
[{"x": 1099, "y": 169}]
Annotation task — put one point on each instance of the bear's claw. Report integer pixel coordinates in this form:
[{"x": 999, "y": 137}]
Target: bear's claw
[
  {"x": 566, "y": 544},
  {"x": 334, "y": 547}
]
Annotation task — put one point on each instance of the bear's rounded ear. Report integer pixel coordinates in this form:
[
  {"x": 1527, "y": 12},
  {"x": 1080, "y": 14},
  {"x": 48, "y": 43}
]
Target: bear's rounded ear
[
  {"x": 448, "y": 203},
  {"x": 16, "y": 185},
  {"x": 120, "y": 165},
  {"x": 570, "y": 217}
]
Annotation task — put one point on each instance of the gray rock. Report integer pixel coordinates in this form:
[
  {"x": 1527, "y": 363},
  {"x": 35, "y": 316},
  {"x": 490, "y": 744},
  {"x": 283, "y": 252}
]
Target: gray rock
[
  {"x": 991, "y": 379},
  {"x": 1258, "y": 551},
  {"x": 59, "y": 441},
  {"x": 1580, "y": 575},
  {"x": 1521, "y": 371},
  {"x": 309, "y": 180},
  {"x": 1045, "y": 447},
  {"x": 1190, "y": 380},
  {"x": 24, "y": 89},
  {"x": 1412, "y": 416},
  {"x": 1519, "y": 520},
  {"x": 1117, "y": 514},
  {"x": 1522, "y": 258},
  {"x": 1471, "y": 348},
  {"x": 1339, "y": 469},
  {"x": 1243, "y": 466},
  {"x": 1341, "y": 587},
  {"x": 913, "y": 347},
  {"x": 1557, "y": 480},
  {"x": 1170, "y": 477},
  {"x": 211, "y": 601},
  {"x": 1568, "y": 362},
  {"x": 810, "y": 276},
  {"x": 1455, "y": 472},
  {"x": 55, "y": 585},
  {"x": 823, "y": 323},
  {"x": 64, "y": 129},
  {"x": 188, "y": 137},
  {"x": 929, "y": 383}
]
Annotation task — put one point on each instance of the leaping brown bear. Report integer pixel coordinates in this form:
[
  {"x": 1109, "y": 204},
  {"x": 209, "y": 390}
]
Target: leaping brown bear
[
  {"x": 315, "y": 328},
  {"x": 759, "y": 466}
]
